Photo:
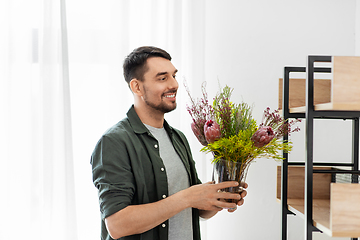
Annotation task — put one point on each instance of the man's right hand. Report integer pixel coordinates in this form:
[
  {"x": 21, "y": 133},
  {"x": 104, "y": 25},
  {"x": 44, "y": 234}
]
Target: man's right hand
[{"x": 207, "y": 196}]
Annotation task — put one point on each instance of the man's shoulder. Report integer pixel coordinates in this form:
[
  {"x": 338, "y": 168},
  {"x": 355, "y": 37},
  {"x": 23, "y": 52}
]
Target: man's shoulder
[
  {"x": 120, "y": 134},
  {"x": 119, "y": 130},
  {"x": 111, "y": 142}
]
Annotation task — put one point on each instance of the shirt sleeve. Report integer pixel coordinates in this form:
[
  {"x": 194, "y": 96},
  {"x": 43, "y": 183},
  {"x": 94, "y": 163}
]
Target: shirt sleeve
[{"x": 112, "y": 175}]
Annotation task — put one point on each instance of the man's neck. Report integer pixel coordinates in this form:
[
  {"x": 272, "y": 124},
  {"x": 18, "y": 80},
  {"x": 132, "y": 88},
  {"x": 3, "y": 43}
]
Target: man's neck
[{"x": 150, "y": 117}]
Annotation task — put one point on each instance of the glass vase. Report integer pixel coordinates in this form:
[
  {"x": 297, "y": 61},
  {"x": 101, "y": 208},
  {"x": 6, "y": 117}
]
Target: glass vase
[{"x": 225, "y": 170}]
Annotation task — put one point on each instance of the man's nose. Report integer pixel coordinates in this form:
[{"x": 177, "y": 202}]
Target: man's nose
[{"x": 174, "y": 83}]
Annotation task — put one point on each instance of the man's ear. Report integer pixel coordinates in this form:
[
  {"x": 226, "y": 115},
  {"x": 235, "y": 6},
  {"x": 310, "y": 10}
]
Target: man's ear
[{"x": 135, "y": 86}]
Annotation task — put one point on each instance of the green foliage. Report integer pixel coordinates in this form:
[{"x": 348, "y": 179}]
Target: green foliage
[
  {"x": 237, "y": 128},
  {"x": 240, "y": 148},
  {"x": 231, "y": 117}
]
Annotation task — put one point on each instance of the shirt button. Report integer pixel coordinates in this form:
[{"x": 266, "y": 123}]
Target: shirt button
[
  {"x": 162, "y": 169},
  {"x": 155, "y": 146},
  {"x": 163, "y": 225},
  {"x": 164, "y": 196}
]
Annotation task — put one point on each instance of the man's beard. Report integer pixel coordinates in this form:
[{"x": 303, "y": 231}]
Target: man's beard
[{"x": 162, "y": 107}]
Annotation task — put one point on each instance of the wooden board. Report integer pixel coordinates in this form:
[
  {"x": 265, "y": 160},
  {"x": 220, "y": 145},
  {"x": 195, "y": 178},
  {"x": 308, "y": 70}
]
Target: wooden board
[
  {"x": 321, "y": 212},
  {"x": 336, "y": 206},
  {"x": 346, "y": 80},
  {"x": 345, "y": 210},
  {"x": 340, "y": 93},
  {"x": 354, "y": 106},
  {"x": 297, "y": 92},
  {"x": 296, "y": 183},
  {"x": 343, "y": 106}
]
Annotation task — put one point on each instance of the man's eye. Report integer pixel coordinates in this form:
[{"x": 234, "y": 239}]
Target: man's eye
[
  {"x": 174, "y": 76},
  {"x": 162, "y": 79}
]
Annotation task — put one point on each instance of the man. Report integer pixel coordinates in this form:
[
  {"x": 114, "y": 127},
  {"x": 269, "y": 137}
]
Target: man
[{"x": 143, "y": 168}]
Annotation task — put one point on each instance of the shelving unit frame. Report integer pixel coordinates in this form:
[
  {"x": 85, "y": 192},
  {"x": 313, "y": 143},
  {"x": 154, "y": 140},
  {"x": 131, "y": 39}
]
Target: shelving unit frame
[{"x": 309, "y": 115}]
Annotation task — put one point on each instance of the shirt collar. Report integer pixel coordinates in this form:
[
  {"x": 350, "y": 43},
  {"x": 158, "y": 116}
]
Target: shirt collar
[{"x": 138, "y": 126}]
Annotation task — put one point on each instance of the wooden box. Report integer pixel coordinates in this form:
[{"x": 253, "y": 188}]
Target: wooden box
[
  {"x": 336, "y": 206},
  {"x": 339, "y": 93}
]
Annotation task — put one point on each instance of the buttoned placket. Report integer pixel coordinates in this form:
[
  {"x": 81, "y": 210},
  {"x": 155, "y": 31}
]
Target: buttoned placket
[
  {"x": 164, "y": 225},
  {"x": 162, "y": 169}
]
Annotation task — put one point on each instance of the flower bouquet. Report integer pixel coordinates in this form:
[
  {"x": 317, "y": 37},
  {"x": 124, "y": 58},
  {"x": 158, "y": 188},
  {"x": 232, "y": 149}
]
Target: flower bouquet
[{"x": 229, "y": 132}]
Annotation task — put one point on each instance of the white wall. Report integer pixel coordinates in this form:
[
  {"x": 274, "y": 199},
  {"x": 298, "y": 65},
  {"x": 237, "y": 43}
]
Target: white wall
[{"x": 247, "y": 44}]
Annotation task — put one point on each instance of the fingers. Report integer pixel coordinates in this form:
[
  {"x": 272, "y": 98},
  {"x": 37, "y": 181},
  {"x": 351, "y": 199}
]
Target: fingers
[
  {"x": 226, "y": 184},
  {"x": 228, "y": 195},
  {"x": 243, "y": 193},
  {"x": 240, "y": 197},
  {"x": 229, "y": 184},
  {"x": 244, "y": 184},
  {"x": 226, "y": 205},
  {"x": 231, "y": 210},
  {"x": 241, "y": 202}
]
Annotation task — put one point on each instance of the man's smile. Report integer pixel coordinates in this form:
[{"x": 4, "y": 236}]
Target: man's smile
[{"x": 169, "y": 95}]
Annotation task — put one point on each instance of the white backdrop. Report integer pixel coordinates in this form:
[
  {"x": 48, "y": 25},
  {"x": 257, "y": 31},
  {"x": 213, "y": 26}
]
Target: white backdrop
[
  {"x": 244, "y": 44},
  {"x": 247, "y": 46},
  {"x": 38, "y": 195}
]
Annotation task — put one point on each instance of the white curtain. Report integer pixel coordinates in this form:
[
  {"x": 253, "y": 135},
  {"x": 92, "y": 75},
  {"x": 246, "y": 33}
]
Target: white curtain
[
  {"x": 38, "y": 201},
  {"x": 62, "y": 87}
]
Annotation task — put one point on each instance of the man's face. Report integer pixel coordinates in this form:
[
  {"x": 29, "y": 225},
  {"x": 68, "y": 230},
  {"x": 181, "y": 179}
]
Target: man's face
[{"x": 160, "y": 86}]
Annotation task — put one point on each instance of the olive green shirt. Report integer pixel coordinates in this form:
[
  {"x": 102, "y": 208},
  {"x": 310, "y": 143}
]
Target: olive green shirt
[{"x": 127, "y": 170}]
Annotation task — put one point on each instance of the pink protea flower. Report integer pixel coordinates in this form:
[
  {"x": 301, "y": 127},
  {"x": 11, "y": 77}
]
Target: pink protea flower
[
  {"x": 263, "y": 136},
  {"x": 199, "y": 136},
  {"x": 211, "y": 131}
]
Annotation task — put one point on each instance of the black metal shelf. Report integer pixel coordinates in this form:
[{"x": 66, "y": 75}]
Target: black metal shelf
[{"x": 309, "y": 115}]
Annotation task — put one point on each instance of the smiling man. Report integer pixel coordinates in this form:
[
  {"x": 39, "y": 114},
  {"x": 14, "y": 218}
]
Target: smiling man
[{"x": 143, "y": 168}]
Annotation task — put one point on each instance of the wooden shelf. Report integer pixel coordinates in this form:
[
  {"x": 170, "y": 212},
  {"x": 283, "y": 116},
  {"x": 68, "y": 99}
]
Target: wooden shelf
[
  {"x": 345, "y": 210},
  {"x": 339, "y": 93},
  {"x": 321, "y": 212},
  {"x": 336, "y": 206},
  {"x": 355, "y": 106}
]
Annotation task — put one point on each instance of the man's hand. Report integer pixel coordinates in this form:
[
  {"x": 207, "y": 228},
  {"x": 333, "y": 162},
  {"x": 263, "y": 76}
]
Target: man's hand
[
  {"x": 242, "y": 195},
  {"x": 208, "y": 197}
]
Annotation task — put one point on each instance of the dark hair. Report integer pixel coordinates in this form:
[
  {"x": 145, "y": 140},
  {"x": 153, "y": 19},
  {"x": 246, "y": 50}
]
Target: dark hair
[{"x": 135, "y": 63}]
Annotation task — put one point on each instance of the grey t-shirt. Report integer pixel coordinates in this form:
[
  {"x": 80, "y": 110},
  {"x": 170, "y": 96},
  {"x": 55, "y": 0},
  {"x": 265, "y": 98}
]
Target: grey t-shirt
[{"x": 180, "y": 225}]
